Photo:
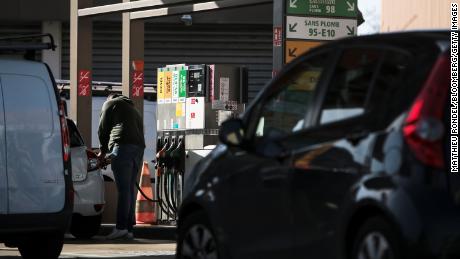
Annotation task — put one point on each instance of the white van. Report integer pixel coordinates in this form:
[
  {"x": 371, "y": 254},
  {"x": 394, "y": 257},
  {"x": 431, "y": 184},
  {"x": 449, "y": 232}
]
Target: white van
[{"x": 36, "y": 193}]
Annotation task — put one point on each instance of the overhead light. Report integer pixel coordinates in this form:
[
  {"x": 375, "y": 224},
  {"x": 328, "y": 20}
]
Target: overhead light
[{"x": 186, "y": 19}]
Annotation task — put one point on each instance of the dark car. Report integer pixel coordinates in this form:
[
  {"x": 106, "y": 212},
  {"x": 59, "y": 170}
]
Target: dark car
[{"x": 344, "y": 155}]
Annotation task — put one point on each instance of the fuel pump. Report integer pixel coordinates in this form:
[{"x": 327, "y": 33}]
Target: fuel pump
[{"x": 192, "y": 102}]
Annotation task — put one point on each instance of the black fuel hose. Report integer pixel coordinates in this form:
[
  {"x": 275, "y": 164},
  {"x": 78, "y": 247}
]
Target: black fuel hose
[
  {"x": 162, "y": 203},
  {"x": 167, "y": 193},
  {"x": 103, "y": 165},
  {"x": 172, "y": 186}
]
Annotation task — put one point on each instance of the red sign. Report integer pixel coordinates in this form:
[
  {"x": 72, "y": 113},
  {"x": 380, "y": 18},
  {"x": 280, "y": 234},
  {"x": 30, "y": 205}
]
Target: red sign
[
  {"x": 138, "y": 65},
  {"x": 138, "y": 84},
  {"x": 277, "y": 36},
  {"x": 84, "y": 83}
]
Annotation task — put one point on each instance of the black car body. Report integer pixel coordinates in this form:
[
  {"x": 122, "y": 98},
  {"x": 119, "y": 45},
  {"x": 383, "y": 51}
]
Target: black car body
[{"x": 348, "y": 145}]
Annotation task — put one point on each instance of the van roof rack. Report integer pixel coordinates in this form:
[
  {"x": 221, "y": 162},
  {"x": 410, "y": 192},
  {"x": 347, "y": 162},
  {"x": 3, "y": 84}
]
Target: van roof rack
[
  {"x": 26, "y": 43},
  {"x": 17, "y": 42}
]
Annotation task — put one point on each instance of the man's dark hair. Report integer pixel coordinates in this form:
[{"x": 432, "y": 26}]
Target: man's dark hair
[{"x": 113, "y": 95}]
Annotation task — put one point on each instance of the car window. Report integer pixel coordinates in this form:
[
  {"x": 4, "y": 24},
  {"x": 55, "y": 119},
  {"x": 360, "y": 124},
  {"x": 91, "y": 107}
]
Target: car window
[
  {"x": 285, "y": 111},
  {"x": 75, "y": 138},
  {"x": 391, "y": 89},
  {"x": 350, "y": 83}
]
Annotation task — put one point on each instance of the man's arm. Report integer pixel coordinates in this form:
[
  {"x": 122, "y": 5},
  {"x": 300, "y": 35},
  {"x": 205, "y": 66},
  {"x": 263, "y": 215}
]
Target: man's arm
[{"x": 105, "y": 126}]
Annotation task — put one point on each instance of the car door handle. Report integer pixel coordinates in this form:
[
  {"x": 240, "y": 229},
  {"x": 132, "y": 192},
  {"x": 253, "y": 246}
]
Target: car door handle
[{"x": 274, "y": 174}]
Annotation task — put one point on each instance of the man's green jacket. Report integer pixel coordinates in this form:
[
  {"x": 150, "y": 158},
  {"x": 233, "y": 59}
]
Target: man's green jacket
[{"x": 120, "y": 123}]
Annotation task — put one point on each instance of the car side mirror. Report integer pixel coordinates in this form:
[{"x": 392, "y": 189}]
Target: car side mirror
[{"x": 232, "y": 132}]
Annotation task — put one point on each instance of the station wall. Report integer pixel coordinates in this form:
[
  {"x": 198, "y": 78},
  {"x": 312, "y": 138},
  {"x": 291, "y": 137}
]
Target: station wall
[{"x": 405, "y": 15}]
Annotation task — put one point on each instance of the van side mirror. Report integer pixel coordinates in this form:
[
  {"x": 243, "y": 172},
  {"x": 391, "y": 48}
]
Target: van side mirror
[{"x": 232, "y": 132}]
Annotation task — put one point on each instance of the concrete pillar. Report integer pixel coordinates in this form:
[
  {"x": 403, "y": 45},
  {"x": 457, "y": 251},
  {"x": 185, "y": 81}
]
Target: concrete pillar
[
  {"x": 53, "y": 58},
  {"x": 81, "y": 68},
  {"x": 133, "y": 60}
]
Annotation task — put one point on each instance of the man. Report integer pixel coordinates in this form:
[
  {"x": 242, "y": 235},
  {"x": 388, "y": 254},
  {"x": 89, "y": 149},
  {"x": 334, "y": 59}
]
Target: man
[{"x": 121, "y": 137}]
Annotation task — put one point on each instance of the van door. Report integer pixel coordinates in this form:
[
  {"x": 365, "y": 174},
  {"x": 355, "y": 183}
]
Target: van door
[
  {"x": 3, "y": 177},
  {"x": 33, "y": 143}
]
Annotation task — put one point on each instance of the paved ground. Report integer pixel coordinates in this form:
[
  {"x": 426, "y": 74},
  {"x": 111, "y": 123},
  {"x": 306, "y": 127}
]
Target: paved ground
[
  {"x": 99, "y": 248},
  {"x": 150, "y": 243}
]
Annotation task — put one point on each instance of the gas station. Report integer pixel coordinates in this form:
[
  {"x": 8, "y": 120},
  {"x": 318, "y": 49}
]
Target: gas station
[{"x": 192, "y": 99}]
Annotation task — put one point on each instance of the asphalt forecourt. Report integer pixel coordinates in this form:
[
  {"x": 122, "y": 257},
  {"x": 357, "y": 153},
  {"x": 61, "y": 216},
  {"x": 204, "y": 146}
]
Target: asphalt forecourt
[{"x": 98, "y": 247}]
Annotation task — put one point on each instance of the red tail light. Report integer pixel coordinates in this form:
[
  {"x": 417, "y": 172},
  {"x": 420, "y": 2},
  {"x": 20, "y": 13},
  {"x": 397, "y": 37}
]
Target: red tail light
[
  {"x": 424, "y": 127},
  {"x": 64, "y": 132}
]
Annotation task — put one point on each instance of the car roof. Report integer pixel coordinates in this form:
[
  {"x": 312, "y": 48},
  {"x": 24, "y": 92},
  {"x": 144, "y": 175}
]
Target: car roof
[{"x": 408, "y": 39}]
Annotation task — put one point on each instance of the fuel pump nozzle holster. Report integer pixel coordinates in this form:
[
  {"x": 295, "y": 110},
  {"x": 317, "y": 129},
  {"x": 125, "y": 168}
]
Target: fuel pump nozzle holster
[{"x": 178, "y": 155}]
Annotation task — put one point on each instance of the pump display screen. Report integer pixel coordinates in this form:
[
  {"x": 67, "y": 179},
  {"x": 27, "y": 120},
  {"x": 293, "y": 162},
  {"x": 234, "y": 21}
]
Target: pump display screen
[{"x": 196, "y": 82}]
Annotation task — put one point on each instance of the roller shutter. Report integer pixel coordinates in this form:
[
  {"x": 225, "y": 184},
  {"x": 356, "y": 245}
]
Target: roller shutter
[
  {"x": 242, "y": 45},
  {"x": 25, "y": 28}
]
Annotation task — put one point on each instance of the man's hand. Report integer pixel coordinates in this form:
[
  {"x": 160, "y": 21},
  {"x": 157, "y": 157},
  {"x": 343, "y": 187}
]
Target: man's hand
[
  {"x": 102, "y": 160},
  {"x": 101, "y": 155}
]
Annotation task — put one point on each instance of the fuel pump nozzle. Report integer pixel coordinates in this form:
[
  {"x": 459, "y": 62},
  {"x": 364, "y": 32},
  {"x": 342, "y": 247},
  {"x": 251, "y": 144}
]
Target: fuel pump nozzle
[
  {"x": 167, "y": 154},
  {"x": 161, "y": 151}
]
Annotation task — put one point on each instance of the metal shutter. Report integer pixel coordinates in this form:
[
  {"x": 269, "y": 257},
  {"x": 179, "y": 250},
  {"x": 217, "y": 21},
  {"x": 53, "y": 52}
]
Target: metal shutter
[
  {"x": 245, "y": 45},
  {"x": 23, "y": 28}
]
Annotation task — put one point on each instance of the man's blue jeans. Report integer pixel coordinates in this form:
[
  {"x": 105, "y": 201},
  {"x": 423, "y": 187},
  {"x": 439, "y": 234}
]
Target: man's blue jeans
[{"x": 126, "y": 165}]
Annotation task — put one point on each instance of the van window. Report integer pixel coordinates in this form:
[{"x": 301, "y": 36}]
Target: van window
[
  {"x": 349, "y": 85},
  {"x": 285, "y": 111}
]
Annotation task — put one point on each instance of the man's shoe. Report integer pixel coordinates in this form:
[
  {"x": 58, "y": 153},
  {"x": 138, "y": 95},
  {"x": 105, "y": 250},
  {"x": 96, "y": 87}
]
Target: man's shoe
[
  {"x": 130, "y": 236},
  {"x": 117, "y": 234}
]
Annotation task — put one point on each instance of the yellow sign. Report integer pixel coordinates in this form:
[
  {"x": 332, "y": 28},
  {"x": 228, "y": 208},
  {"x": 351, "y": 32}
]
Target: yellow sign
[
  {"x": 168, "y": 86},
  {"x": 160, "y": 86},
  {"x": 306, "y": 81},
  {"x": 180, "y": 109},
  {"x": 295, "y": 48}
]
